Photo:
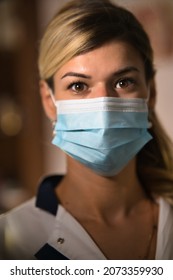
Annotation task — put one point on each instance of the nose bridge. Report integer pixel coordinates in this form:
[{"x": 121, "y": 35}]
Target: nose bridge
[{"x": 105, "y": 90}]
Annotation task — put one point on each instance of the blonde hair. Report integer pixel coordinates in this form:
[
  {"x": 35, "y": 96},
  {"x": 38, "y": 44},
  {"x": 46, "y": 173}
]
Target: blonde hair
[
  {"x": 59, "y": 45},
  {"x": 83, "y": 25}
]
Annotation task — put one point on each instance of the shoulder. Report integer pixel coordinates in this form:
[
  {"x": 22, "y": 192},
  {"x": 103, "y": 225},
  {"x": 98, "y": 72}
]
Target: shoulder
[
  {"x": 166, "y": 209},
  {"x": 24, "y": 215},
  {"x": 165, "y": 231},
  {"x": 23, "y": 231},
  {"x": 26, "y": 228}
]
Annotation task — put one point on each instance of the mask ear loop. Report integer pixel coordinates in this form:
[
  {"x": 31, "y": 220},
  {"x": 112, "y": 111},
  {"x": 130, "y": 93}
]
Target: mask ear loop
[
  {"x": 52, "y": 96},
  {"x": 149, "y": 113},
  {"x": 148, "y": 94},
  {"x": 53, "y": 122}
]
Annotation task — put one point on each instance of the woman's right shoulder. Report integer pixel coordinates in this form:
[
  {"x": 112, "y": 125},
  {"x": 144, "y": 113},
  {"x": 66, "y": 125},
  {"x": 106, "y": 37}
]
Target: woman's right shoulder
[
  {"x": 25, "y": 213},
  {"x": 24, "y": 229},
  {"x": 20, "y": 211}
]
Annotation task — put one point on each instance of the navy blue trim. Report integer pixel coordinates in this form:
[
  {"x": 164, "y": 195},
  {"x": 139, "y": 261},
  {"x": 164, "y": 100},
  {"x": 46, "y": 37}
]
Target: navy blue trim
[
  {"x": 47, "y": 252},
  {"x": 46, "y": 197}
]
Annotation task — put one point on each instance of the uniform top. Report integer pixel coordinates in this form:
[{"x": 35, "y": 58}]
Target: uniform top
[{"x": 41, "y": 228}]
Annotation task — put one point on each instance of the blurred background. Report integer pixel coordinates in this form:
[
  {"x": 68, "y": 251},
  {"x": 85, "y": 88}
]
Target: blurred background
[{"x": 26, "y": 152}]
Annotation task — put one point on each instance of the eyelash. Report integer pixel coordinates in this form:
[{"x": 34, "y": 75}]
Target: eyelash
[
  {"x": 70, "y": 86},
  {"x": 127, "y": 80},
  {"x": 130, "y": 80}
]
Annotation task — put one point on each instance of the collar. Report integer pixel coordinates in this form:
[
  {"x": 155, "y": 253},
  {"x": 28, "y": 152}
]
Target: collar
[
  {"x": 48, "y": 201},
  {"x": 46, "y": 198}
]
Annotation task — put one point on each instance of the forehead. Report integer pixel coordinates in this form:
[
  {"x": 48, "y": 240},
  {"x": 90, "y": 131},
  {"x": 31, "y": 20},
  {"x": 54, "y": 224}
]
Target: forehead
[{"x": 107, "y": 58}]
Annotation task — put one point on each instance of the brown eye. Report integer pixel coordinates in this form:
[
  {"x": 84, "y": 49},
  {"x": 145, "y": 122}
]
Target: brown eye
[
  {"x": 78, "y": 87},
  {"x": 125, "y": 83}
]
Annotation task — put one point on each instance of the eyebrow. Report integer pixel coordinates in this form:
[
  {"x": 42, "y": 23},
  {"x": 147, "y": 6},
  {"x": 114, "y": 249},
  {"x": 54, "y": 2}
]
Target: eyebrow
[
  {"x": 126, "y": 70},
  {"x": 117, "y": 73},
  {"x": 74, "y": 74}
]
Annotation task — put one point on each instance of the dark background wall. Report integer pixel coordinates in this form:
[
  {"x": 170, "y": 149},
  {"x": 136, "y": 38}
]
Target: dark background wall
[{"x": 21, "y": 147}]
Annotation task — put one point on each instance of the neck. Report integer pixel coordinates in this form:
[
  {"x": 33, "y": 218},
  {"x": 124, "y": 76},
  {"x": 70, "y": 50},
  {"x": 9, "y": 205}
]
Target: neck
[{"x": 83, "y": 191}]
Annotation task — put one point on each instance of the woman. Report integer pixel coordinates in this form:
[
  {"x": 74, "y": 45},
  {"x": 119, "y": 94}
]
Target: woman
[{"x": 97, "y": 87}]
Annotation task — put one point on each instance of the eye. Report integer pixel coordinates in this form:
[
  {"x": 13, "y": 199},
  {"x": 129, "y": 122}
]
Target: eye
[
  {"x": 78, "y": 87},
  {"x": 125, "y": 83}
]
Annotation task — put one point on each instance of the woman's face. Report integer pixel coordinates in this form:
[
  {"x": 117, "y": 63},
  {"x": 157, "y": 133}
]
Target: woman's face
[{"x": 115, "y": 69}]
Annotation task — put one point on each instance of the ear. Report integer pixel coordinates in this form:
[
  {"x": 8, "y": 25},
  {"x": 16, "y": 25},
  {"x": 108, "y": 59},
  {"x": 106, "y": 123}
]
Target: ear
[
  {"x": 48, "y": 105},
  {"x": 152, "y": 97}
]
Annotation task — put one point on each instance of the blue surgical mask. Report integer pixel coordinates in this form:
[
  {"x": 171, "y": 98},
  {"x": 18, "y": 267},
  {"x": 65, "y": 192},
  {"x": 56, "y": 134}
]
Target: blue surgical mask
[{"x": 102, "y": 133}]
